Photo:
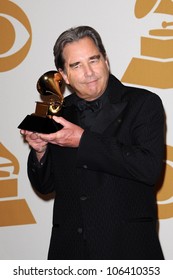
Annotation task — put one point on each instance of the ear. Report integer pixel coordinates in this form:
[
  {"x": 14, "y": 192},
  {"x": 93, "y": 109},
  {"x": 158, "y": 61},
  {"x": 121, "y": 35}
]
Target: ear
[
  {"x": 64, "y": 75},
  {"x": 107, "y": 63}
]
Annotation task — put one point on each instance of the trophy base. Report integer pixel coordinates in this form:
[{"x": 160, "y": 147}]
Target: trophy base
[{"x": 39, "y": 124}]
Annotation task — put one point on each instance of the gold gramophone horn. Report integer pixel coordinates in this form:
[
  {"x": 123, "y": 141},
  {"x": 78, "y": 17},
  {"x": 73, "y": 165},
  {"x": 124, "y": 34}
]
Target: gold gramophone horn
[{"x": 50, "y": 85}]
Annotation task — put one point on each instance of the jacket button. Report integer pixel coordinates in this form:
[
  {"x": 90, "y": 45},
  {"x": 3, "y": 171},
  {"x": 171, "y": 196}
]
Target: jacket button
[
  {"x": 80, "y": 230},
  {"x": 119, "y": 120},
  {"x": 83, "y": 197},
  {"x": 85, "y": 166}
]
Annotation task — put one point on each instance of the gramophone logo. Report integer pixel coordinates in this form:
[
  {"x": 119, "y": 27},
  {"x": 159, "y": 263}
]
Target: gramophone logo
[
  {"x": 10, "y": 55},
  {"x": 154, "y": 67},
  {"x": 13, "y": 211}
]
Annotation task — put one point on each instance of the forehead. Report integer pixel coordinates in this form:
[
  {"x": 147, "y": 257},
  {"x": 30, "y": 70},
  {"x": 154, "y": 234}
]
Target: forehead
[{"x": 83, "y": 48}]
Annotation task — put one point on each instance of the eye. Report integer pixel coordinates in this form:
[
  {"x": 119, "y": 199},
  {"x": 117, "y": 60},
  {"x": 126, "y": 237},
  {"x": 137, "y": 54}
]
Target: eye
[
  {"x": 16, "y": 32},
  {"x": 95, "y": 59},
  {"x": 75, "y": 66}
]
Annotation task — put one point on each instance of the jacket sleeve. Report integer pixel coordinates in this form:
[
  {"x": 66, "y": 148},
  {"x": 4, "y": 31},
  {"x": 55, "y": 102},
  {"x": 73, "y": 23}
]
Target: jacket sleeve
[
  {"x": 137, "y": 154},
  {"x": 40, "y": 173}
]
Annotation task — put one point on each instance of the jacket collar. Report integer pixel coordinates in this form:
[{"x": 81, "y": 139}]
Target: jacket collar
[
  {"x": 113, "y": 110},
  {"x": 115, "y": 89}
]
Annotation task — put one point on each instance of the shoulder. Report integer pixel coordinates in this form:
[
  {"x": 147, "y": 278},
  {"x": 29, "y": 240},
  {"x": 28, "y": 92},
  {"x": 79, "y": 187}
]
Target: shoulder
[
  {"x": 136, "y": 94},
  {"x": 126, "y": 92},
  {"x": 137, "y": 98}
]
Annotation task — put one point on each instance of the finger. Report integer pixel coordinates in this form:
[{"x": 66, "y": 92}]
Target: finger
[
  {"x": 60, "y": 120},
  {"x": 47, "y": 137},
  {"x": 34, "y": 136}
]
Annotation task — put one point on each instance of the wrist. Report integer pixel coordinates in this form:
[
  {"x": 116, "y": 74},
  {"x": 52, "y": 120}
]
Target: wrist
[{"x": 40, "y": 153}]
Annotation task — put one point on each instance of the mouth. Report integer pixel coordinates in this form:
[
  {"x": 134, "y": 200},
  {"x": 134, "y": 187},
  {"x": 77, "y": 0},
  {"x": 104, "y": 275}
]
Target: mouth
[{"x": 91, "y": 82}]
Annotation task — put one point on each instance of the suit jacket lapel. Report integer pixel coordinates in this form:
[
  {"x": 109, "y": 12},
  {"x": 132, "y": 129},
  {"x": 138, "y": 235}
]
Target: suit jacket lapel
[
  {"x": 110, "y": 113},
  {"x": 114, "y": 107}
]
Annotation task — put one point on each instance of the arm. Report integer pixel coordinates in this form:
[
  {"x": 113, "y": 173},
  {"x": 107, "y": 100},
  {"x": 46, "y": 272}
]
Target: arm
[
  {"x": 40, "y": 172},
  {"x": 39, "y": 161}
]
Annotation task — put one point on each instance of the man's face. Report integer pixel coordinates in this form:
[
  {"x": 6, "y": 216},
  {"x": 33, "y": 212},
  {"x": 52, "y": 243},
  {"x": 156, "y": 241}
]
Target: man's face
[{"x": 86, "y": 70}]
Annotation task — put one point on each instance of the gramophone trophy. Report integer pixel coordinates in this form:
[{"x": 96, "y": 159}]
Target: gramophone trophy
[
  {"x": 41, "y": 121},
  {"x": 154, "y": 67}
]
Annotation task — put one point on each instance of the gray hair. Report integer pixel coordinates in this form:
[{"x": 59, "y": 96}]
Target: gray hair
[{"x": 74, "y": 34}]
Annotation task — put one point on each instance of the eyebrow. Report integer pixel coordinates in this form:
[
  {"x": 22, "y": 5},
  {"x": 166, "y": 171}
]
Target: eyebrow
[
  {"x": 91, "y": 58},
  {"x": 74, "y": 64},
  {"x": 95, "y": 57}
]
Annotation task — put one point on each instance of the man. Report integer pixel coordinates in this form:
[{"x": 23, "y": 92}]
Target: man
[{"x": 104, "y": 162}]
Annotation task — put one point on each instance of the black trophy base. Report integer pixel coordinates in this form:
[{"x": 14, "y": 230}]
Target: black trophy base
[{"x": 39, "y": 124}]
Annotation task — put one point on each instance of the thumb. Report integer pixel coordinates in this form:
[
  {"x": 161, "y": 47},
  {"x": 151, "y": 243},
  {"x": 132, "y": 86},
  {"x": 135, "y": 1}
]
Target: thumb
[{"x": 60, "y": 120}]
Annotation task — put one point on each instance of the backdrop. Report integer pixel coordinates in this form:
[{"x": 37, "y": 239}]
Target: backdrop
[{"x": 138, "y": 37}]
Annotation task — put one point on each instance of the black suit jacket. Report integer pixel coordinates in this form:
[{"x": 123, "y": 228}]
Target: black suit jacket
[{"x": 105, "y": 204}]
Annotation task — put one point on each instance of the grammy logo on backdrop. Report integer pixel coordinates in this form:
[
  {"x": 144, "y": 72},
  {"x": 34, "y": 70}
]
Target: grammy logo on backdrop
[
  {"x": 13, "y": 211},
  {"x": 155, "y": 66}
]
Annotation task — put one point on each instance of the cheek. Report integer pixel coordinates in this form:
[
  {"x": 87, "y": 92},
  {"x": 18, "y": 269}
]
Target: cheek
[
  {"x": 66, "y": 79},
  {"x": 75, "y": 78}
]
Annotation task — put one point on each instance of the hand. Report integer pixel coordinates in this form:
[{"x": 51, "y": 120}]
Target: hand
[
  {"x": 35, "y": 142},
  {"x": 68, "y": 136}
]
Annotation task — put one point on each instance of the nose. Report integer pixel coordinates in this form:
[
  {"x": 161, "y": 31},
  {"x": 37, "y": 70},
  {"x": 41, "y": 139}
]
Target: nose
[{"x": 88, "y": 70}]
